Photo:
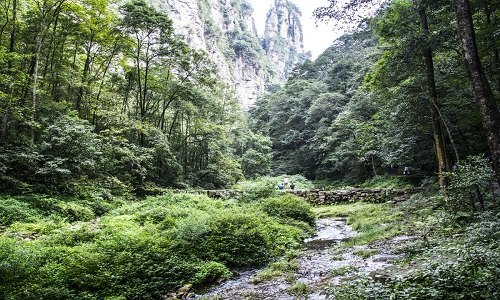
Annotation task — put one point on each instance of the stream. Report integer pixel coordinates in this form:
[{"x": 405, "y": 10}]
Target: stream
[{"x": 316, "y": 263}]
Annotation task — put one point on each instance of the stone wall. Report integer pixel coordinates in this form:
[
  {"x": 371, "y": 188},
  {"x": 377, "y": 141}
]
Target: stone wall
[{"x": 322, "y": 197}]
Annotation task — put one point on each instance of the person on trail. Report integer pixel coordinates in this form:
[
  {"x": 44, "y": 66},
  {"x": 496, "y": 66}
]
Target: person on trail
[
  {"x": 281, "y": 186},
  {"x": 406, "y": 171},
  {"x": 285, "y": 181},
  {"x": 292, "y": 186}
]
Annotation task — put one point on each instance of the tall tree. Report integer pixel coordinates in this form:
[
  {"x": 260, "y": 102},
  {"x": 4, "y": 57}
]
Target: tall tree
[
  {"x": 100, "y": 42},
  {"x": 483, "y": 94},
  {"x": 152, "y": 31},
  {"x": 440, "y": 148},
  {"x": 46, "y": 11}
]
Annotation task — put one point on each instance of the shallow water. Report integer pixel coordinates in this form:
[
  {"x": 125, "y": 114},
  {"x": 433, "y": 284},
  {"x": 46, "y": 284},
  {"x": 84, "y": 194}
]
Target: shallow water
[
  {"x": 329, "y": 232},
  {"x": 317, "y": 261}
]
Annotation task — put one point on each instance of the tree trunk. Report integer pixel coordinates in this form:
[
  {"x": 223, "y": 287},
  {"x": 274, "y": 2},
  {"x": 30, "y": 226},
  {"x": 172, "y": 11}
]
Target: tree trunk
[
  {"x": 496, "y": 55},
  {"x": 45, "y": 10},
  {"x": 440, "y": 148},
  {"x": 7, "y": 105},
  {"x": 488, "y": 109},
  {"x": 34, "y": 91},
  {"x": 83, "y": 85},
  {"x": 14, "y": 27}
]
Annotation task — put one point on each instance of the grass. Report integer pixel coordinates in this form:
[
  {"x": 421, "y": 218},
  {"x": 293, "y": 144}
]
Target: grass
[
  {"x": 342, "y": 271},
  {"x": 299, "y": 289},
  {"x": 284, "y": 267},
  {"x": 267, "y": 275},
  {"x": 365, "y": 253}
]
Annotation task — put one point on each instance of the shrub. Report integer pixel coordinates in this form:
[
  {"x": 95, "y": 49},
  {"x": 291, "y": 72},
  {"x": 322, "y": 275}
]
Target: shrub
[
  {"x": 71, "y": 152},
  {"x": 17, "y": 168},
  {"x": 33, "y": 208},
  {"x": 264, "y": 187},
  {"x": 235, "y": 238},
  {"x": 464, "y": 267},
  {"x": 289, "y": 207},
  {"x": 471, "y": 185},
  {"x": 299, "y": 289},
  {"x": 209, "y": 272},
  {"x": 463, "y": 272},
  {"x": 381, "y": 181},
  {"x": 13, "y": 210},
  {"x": 253, "y": 190},
  {"x": 75, "y": 212}
]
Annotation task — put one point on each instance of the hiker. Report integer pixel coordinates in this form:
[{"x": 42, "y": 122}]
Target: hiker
[
  {"x": 406, "y": 171},
  {"x": 281, "y": 186},
  {"x": 292, "y": 186},
  {"x": 285, "y": 181}
]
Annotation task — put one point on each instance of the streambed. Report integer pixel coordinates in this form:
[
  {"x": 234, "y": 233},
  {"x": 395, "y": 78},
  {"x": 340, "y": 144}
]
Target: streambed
[{"x": 319, "y": 266}]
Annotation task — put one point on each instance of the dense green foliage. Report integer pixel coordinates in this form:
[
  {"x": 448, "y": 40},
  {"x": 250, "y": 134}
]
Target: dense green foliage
[
  {"x": 54, "y": 248},
  {"x": 110, "y": 99},
  {"x": 362, "y": 108},
  {"x": 107, "y": 98},
  {"x": 141, "y": 109}
]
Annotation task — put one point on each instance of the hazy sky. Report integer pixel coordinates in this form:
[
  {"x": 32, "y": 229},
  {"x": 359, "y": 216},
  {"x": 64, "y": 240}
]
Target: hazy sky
[{"x": 316, "y": 38}]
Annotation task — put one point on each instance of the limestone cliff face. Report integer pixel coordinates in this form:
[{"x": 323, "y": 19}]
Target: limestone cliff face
[
  {"x": 225, "y": 29},
  {"x": 283, "y": 41}
]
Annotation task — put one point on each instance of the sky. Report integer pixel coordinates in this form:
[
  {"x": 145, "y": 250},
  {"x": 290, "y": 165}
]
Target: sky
[{"x": 317, "y": 37}]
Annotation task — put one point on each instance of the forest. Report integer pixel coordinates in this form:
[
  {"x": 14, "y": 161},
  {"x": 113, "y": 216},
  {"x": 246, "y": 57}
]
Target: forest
[{"x": 105, "y": 111}]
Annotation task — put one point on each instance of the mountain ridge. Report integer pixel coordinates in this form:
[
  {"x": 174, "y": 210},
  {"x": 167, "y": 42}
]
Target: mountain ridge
[{"x": 226, "y": 31}]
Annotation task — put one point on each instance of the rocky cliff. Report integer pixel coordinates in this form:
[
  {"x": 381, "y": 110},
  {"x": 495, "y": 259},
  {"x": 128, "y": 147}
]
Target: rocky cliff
[
  {"x": 283, "y": 38},
  {"x": 225, "y": 29}
]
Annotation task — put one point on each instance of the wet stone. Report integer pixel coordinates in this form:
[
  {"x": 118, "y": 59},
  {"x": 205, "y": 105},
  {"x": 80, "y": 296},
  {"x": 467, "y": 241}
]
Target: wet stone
[{"x": 318, "y": 263}]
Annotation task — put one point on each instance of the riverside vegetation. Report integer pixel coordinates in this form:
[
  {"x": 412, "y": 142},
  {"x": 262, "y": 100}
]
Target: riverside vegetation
[
  {"x": 66, "y": 248},
  {"x": 119, "y": 248}
]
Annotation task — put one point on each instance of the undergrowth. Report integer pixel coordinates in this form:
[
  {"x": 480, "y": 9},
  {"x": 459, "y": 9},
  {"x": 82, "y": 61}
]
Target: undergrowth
[
  {"x": 454, "y": 249},
  {"x": 55, "y": 248},
  {"x": 463, "y": 266}
]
